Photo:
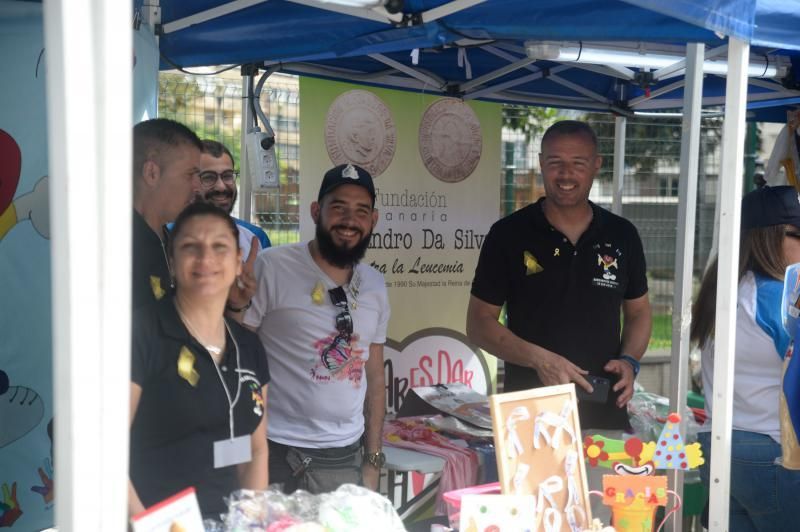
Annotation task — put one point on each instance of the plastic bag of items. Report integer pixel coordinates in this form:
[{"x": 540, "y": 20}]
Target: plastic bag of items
[
  {"x": 648, "y": 412},
  {"x": 350, "y": 508}
]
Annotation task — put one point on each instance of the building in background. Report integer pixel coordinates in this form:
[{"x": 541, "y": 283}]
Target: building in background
[{"x": 211, "y": 105}]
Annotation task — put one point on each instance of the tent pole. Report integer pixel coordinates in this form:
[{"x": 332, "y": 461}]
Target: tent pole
[
  {"x": 684, "y": 258},
  {"x": 90, "y": 223},
  {"x": 245, "y": 179},
  {"x": 620, "y": 123},
  {"x": 733, "y": 132}
]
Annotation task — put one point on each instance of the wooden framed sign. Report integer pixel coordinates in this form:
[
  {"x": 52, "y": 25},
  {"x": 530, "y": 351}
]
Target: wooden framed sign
[{"x": 539, "y": 450}]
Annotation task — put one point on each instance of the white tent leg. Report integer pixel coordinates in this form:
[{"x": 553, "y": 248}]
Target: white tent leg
[
  {"x": 245, "y": 179},
  {"x": 90, "y": 176},
  {"x": 618, "y": 184},
  {"x": 684, "y": 258},
  {"x": 733, "y": 133}
]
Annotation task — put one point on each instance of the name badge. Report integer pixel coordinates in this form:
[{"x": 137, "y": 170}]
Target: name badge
[{"x": 229, "y": 452}]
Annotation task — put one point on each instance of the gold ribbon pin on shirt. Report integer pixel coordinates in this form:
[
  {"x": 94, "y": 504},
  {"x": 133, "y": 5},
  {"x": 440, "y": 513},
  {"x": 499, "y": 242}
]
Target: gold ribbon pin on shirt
[
  {"x": 531, "y": 264},
  {"x": 186, "y": 366},
  {"x": 318, "y": 293},
  {"x": 155, "y": 285}
]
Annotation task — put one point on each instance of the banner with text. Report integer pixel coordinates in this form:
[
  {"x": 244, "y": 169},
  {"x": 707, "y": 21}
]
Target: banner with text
[{"x": 436, "y": 165}]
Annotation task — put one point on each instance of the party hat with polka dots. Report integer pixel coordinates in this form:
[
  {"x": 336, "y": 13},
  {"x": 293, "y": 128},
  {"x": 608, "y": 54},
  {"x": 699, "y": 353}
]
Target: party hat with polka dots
[{"x": 670, "y": 450}]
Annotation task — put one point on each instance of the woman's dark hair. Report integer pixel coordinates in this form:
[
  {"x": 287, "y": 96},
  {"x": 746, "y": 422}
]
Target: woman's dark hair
[
  {"x": 199, "y": 208},
  {"x": 760, "y": 251}
]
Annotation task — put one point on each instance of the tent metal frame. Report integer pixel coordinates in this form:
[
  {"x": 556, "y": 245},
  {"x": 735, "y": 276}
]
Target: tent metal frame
[{"x": 91, "y": 239}]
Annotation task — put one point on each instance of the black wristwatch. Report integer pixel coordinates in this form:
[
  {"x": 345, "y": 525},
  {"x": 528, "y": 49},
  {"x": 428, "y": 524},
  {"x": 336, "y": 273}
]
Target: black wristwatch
[{"x": 376, "y": 459}]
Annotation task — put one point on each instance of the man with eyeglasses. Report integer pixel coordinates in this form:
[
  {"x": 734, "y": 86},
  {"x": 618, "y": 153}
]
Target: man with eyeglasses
[
  {"x": 166, "y": 159},
  {"x": 322, "y": 315},
  {"x": 218, "y": 180}
]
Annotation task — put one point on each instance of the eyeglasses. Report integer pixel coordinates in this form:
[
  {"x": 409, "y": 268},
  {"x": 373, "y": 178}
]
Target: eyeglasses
[
  {"x": 209, "y": 178},
  {"x": 335, "y": 356},
  {"x": 793, "y": 234}
]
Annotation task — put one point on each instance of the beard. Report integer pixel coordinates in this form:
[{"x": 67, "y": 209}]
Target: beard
[
  {"x": 340, "y": 256},
  {"x": 217, "y": 196}
]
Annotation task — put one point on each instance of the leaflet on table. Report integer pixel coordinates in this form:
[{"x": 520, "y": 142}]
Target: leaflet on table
[
  {"x": 459, "y": 401},
  {"x": 454, "y": 426}
]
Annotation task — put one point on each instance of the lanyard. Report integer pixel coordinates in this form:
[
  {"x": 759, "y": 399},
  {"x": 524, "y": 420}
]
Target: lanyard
[{"x": 231, "y": 402}]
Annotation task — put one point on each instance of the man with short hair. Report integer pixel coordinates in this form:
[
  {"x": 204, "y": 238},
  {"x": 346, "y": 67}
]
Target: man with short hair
[
  {"x": 218, "y": 179},
  {"x": 564, "y": 268},
  {"x": 166, "y": 158},
  {"x": 322, "y": 316}
]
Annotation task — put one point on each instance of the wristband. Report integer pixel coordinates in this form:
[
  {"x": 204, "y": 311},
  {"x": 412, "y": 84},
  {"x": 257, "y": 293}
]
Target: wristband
[
  {"x": 633, "y": 362},
  {"x": 234, "y": 309}
]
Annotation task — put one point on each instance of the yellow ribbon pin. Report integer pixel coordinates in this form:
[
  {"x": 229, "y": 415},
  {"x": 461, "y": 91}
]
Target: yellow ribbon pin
[
  {"x": 318, "y": 293},
  {"x": 186, "y": 366},
  {"x": 155, "y": 284},
  {"x": 531, "y": 264}
]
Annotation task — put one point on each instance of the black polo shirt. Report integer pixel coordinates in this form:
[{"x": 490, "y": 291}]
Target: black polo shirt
[
  {"x": 177, "y": 422},
  {"x": 562, "y": 297},
  {"x": 151, "y": 278}
]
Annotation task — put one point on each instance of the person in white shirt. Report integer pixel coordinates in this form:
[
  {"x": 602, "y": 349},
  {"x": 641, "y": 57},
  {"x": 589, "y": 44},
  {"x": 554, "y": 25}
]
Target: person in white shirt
[
  {"x": 322, "y": 316},
  {"x": 763, "y": 495}
]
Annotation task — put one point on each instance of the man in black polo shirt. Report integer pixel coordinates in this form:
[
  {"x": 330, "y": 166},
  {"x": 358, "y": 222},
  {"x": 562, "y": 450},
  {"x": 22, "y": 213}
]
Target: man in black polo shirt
[
  {"x": 565, "y": 268},
  {"x": 166, "y": 160}
]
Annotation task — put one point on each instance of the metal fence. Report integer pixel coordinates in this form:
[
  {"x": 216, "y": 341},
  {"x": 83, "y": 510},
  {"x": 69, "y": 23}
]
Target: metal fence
[
  {"x": 650, "y": 193},
  {"x": 211, "y": 106}
]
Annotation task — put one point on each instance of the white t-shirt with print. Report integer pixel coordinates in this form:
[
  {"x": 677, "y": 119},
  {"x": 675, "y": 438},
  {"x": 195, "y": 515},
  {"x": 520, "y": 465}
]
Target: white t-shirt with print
[{"x": 310, "y": 405}]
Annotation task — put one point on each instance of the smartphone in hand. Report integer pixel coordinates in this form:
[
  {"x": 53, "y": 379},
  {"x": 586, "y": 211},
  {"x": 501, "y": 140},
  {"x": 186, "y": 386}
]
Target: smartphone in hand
[{"x": 601, "y": 387}]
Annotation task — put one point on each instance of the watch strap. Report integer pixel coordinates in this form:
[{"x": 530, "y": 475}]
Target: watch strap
[
  {"x": 633, "y": 362},
  {"x": 376, "y": 459}
]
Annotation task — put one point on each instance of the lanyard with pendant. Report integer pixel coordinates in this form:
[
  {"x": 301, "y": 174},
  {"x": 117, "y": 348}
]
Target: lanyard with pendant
[{"x": 232, "y": 450}]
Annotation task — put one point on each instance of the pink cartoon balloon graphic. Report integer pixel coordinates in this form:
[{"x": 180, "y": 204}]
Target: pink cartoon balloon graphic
[{"x": 10, "y": 166}]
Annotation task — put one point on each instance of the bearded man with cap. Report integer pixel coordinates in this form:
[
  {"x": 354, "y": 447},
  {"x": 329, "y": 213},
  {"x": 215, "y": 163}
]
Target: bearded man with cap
[{"x": 322, "y": 316}]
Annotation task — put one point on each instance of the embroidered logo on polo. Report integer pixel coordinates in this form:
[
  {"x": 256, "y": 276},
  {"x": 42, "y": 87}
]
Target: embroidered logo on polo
[
  {"x": 531, "y": 264},
  {"x": 339, "y": 361},
  {"x": 608, "y": 266},
  {"x": 155, "y": 285},
  {"x": 248, "y": 378}
]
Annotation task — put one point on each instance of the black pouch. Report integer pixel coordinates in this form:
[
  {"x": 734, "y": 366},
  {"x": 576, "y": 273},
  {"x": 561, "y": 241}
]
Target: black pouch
[{"x": 324, "y": 470}]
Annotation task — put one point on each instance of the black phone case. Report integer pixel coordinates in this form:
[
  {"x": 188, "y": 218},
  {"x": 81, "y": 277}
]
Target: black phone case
[{"x": 601, "y": 387}]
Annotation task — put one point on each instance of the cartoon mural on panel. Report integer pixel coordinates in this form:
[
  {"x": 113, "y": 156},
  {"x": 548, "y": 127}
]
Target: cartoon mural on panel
[
  {"x": 26, "y": 380},
  {"x": 33, "y": 206},
  {"x": 22, "y": 408},
  {"x": 26, "y": 398}
]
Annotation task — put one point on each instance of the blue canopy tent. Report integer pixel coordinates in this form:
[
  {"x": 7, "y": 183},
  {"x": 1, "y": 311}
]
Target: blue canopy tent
[
  {"x": 538, "y": 53},
  {"x": 483, "y": 49},
  {"x": 370, "y": 45}
]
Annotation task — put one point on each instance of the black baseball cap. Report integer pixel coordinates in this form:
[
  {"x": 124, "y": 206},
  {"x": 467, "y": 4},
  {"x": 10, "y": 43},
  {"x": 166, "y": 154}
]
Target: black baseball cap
[
  {"x": 767, "y": 206},
  {"x": 346, "y": 174}
]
